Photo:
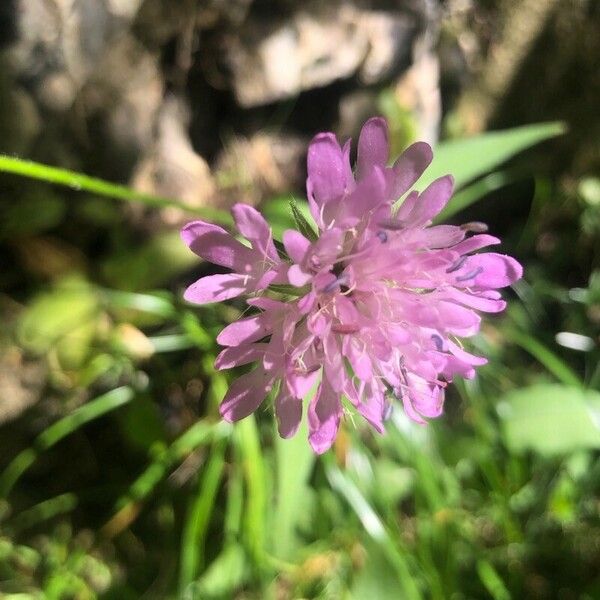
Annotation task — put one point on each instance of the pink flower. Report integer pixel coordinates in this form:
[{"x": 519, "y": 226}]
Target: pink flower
[{"x": 382, "y": 294}]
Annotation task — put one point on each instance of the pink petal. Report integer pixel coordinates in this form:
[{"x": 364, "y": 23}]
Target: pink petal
[
  {"x": 432, "y": 200},
  {"x": 324, "y": 415},
  {"x": 247, "y": 330},
  {"x": 245, "y": 395},
  {"x": 297, "y": 276},
  {"x": 235, "y": 356},
  {"x": 373, "y": 146},
  {"x": 478, "y": 302},
  {"x": 296, "y": 245},
  {"x": 252, "y": 225},
  {"x": 497, "y": 270},
  {"x": 368, "y": 195},
  {"x": 288, "y": 411},
  {"x": 409, "y": 167},
  {"x": 475, "y": 243},
  {"x": 407, "y": 207},
  {"x": 326, "y": 170},
  {"x": 214, "y": 244},
  {"x": 216, "y": 288},
  {"x": 465, "y": 356}
]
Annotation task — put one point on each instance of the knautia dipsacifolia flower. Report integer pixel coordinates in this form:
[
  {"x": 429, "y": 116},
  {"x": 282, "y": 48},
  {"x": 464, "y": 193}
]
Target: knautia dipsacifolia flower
[{"x": 381, "y": 295}]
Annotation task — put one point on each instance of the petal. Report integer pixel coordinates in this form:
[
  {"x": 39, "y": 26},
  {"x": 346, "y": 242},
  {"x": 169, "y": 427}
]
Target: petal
[
  {"x": 300, "y": 383},
  {"x": 465, "y": 356},
  {"x": 296, "y": 245},
  {"x": 478, "y": 302},
  {"x": 245, "y": 395},
  {"x": 252, "y": 225},
  {"x": 373, "y": 146},
  {"x": 324, "y": 414},
  {"x": 297, "y": 277},
  {"x": 368, "y": 195},
  {"x": 497, "y": 270},
  {"x": 288, "y": 411},
  {"x": 216, "y": 288},
  {"x": 432, "y": 200},
  {"x": 409, "y": 167},
  {"x": 214, "y": 244},
  {"x": 235, "y": 356},
  {"x": 475, "y": 243},
  {"x": 247, "y": 330},
  {"x": 326, "y": 170},
  {"x": 407, "y": 207}
]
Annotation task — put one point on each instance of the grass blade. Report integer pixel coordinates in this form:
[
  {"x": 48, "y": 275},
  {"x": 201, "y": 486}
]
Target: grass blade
[
  {"x": 196, "y": 525},
  {"x": 56, "y": 432},
  {"x": 81, "y": 182}
]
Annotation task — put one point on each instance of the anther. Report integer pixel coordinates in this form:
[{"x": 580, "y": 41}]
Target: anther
[
  {"x": 457, "y": 264},
  {"x": 391, "y": 224},
  {"x": 382, "y": 235},
  {"x": 470, "y": 275},
  {"x": 474, "y": 227},
  {"x": 438, "y": 341}
]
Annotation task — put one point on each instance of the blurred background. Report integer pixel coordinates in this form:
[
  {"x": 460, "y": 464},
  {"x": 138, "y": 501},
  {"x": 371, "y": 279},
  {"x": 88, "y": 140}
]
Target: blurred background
[{"x": 117, "y": 478}]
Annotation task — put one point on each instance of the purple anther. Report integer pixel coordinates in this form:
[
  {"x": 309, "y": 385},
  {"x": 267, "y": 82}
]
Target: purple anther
[
  {"x": 391, "y": 224},
  {"x": 438, "y": 341},
  {"x": 470, "y": 275},
  {"x": 383, "y": 236},
  {"x": 455, "y": 266}
]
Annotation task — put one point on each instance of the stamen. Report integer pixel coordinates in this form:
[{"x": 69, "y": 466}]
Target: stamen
[
  {"x": 470, "y": 275},
  {"x": 391, "y": 224},
  {"x": 342, "y": 280},
  {"x": 474, "y": 227},
  {"x": 457, "y": 264},
  {"x": 382, "y": 235},
  {"x": 438, "y": 341}
]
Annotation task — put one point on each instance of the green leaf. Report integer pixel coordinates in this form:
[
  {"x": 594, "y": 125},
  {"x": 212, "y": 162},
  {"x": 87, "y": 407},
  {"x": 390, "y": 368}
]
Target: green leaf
[
  {"x": 302, "y": 224},
  {"x": 295, "y": 461},
  {"x": 472, "y": 193},
  {"x": 469, "y": 158},
  {"x": 551, "y": 419},
  {"x": 81, "y": 182}
]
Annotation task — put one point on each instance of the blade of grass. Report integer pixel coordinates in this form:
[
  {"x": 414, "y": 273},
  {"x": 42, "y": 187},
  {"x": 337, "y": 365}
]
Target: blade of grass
[
  {"x": 546, "y": 357},
  {"x": 250, "y": 454},
  {"x": 295, "y": 460},
  {"x": 128, "y": 505},
  {"x": 57, "y": 431},
  {"x": 81, "y": 182},
  {"x": 198, "y": 518},
  {"x": 44, "y": 511},
  {"x": 373, "y": 526}
]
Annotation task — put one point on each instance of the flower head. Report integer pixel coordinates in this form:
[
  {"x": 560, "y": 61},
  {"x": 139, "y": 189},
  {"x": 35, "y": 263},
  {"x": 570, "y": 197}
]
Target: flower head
[{"x": 382, "y": 294}]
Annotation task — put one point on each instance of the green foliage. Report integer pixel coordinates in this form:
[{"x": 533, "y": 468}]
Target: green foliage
[{"x": 551, "y": 419}]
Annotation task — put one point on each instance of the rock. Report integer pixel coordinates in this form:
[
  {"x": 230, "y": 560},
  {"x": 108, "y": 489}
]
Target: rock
[
  {"x": 60, "y": 42},
  {"x": 170, "y": 167},
  {"x": 271, "y": 59}
]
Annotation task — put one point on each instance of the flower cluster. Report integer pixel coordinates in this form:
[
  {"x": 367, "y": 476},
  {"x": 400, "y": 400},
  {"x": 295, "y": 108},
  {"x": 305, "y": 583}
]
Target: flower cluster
[{"x": 381, "y": 295}]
